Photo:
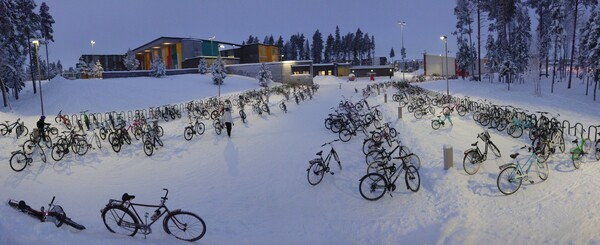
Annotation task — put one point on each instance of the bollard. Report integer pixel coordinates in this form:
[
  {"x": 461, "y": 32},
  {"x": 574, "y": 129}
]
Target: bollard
[
  {"x": 448, "y": 157},
  {"x": 340, "y": 85},
  {"x": 385, "y": 98},
  {"x": 399, "y": 112}
]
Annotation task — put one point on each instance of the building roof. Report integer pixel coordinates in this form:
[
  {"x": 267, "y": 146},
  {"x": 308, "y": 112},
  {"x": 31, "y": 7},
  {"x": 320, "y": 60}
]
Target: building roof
[{"x": 166, "y": 40}]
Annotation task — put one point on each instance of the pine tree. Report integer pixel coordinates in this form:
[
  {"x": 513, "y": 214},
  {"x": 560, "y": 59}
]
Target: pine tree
[
  {"x": 306, "y": 50},
  {"x": 59, "y": 67},
  {"x": 264, "y": 76},
  {"x": 218, "y": 71},
  {"x": 97, "y": 69},
  {"x": 392, "y": 54},
  {"x": 328, "y": 53},
  {"x": 157, "y": 68},
  {"x": 27, "y": 24},
  {"x": 317, "y": 47},
  {"x": 337, "y": 45},
  {"x": 280, "y": 45},
  {"x": 82, "y": 67},
  {"x": 130, "y": 61},
  {"x": 12, "y": 55},
  {"x": 46, "y": 22},
  {"x": 557, "y": 16},
  {"x": 591, "y": 44},
  {"x": 202, "y": 66}
]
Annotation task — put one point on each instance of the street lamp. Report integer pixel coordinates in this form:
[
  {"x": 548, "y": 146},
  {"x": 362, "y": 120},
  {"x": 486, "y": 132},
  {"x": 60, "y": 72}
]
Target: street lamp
[
  {"x": 445, "y": 39},
  {"x": 402, "y": 51},
  {"x": 36, "y": 43},
  {"x": 93, "y": 42}
]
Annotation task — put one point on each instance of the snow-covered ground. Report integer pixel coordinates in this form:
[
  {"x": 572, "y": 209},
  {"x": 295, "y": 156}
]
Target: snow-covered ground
[{"x": 252, "y": 188}]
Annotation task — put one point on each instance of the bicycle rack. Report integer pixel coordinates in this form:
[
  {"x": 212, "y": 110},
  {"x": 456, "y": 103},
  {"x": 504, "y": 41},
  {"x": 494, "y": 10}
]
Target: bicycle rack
[
  {"x": 581, "y": 126},
  {"x": 568, "y": 127},
  {"x": 130, "y": 115},
  {"x": 595, "y": 132}
]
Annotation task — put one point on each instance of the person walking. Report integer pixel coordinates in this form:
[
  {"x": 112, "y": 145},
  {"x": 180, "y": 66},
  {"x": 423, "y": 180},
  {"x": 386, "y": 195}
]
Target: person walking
[{"x": 227, "y": 119}]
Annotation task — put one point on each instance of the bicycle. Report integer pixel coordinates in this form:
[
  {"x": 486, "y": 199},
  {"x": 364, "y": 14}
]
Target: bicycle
[
  {"x": 375, "y": 184},
  {"x": 150, "y": 142},
  {"x": 55, "y": 213},
  {"x": 21, "y": 158},
  {"x": 121, "y": 216},
  {"x": 283, "y": 107},
  {"x": 60, "y": 118},
  {"x": 582, "y": 147},
  {"x": 193, "y": 129},
  {"x": 218, "y": 125},
  {"x": 436, "y": 123},
  {"x": 474, "y": 157},
  {"x": 18, "y": 126},
  {"x": 460, "y": 109},
  {"x": 512, "y": 174},
  {"x": 319, "y": 166}
]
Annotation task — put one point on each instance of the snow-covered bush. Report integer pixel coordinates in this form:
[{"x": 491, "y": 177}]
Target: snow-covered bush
[
  {"x": 218, "y": 71},
  {"x": 130, "y": 62},
  {"x": 264, "y": 76},
  {"x": 157, "y": 68},
  {"x": 202, "y": 66},
  {"x": 97, "y": 70}
]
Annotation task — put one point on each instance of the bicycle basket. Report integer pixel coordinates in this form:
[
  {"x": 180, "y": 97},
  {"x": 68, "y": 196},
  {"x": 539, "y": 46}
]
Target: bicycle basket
[{"x": 485, "y": 136}]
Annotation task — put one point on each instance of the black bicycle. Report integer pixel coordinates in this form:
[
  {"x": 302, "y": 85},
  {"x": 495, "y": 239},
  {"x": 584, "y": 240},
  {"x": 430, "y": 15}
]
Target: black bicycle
[
  {"x": 55, "y": 213},
  {"x": 381, "y": 177},
  {"x": 121, "y": 216},
  {"x": 474, "y": 157},
  {"x": 319, "y": 166},
  {"x": 18, "y": 126},
  {"x": 193, "y": 129}
]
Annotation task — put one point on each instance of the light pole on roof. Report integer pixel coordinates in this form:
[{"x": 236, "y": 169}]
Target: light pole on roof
[
  {"x": 445, "y": 39},
  {"x": 402, "y": 51},
  {"x": 36, "y": 43}
]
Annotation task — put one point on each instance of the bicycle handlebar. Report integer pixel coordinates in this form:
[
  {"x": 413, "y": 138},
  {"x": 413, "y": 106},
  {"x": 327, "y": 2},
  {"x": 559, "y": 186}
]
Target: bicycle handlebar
[
  {"x": 166, "y": 194},
  {"x": 326, "y": 143}
]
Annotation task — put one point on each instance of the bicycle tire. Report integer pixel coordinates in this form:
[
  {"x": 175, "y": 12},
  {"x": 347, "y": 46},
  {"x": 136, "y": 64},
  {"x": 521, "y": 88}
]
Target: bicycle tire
[
  {"x": 597, "y": 150},
  {"x": 412, "y": 178},
  {"x": 372, "y": 156},
  {"x": 57, "y": 152},
  {"x": 42, "y": 155},
  {"x": 200, "y": 128},
  {"x": 148, "y": 148},
  {"x": 376, "y": 137},
  {"x": 576, "y": 155},
  {"x": 543, "y": 171},
  {"x": 368, "y": 145},
  {"x": 122, "y": 219},
  {"x": 495, "y": 149},
  {"x": 58, "y": 214},
  {"x": 29, "y": 146},
  {"x": 315, "y": 173},
  {"x": 82, "y": 146},
  {"x": 393, "y": 132},
  {"x": 24, "y": 130},
  {"x": 516, "y": 132},
  {"x": 103, "y": 133},
  {"x": 435, "y": 124},
  {"x": 18, "y": 161},
  {"x": 47, "y": 141},
  {"x": 471, "y": 162},
  {"x": 418, "y": 114},
  {"x": 116, "y": 145},
  {"x": 345, "y": 135},
  {"x": 183, "y": 221},
  {"x": 73, "y": 224},
  {"x": 461, "y": 110},
  {"x": 373, "y": 186},
  {"x": 98, "y": 142},
  {"x": 509, "y": 180},
  {"x": 415, "y": 161},
  {"x": 188, "y": 133}
]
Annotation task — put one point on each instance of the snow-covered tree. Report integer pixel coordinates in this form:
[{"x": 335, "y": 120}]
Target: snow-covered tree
[
  {"x": 97, "y": 69},
  {"x": 557, "y": 16},
  {"x": 264, "y": 76},
  {"x": 82, "y": 67},
  {"x": 591, "y": 44},
  {"x": 328, "y": 55},
  {"x": 218, "y": 71},
  {"x": 202, "y": 66},
  {"x": 27, "y": 24},
  {"x": 157, "y": 68},
  {"x": 317, "y": 47},
  {"x": 130, "y": 61},
  {"x": 466, "y": 55},
  {"x": 46, "y": 30}
]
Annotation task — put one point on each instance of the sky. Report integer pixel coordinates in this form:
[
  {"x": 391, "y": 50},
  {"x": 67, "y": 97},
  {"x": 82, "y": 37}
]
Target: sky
[{"x": 117, "y": 25}]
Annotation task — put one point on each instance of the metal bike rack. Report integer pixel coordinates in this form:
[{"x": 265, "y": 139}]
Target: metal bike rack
[
  {"x": 568, "y": 126},
  {"x": 580, "y": 126},
  {"x": 595, "y": 132}
]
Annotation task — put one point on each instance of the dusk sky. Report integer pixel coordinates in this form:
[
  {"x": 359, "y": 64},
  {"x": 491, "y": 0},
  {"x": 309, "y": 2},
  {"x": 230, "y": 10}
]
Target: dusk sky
[{"x": 117, "y": 25}]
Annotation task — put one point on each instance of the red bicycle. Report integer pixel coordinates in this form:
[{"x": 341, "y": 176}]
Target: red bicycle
[
  {"x": 60, "y": 118},
  {"x": 55, "y": 213}
]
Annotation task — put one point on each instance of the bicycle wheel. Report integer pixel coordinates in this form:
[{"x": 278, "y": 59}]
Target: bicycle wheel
[
  {"x": 393, "y": 132},
  {"x": 502, "y": 123},
  {"x": 515, "y": 131},
  {"x": 471, "y": 162},
  {"x": 119, "y": 220},
  {"x": 418, "y": 114},
  {"x": 97, "y": 141},
  {"x": 184, "y": 225},
  {"x": 315, "y": 173},
  {"x": 597, "y": 150},
  {"x": 159, "y": 131},
  {"x": 23, "y": 129},
  {"x": 543, "y": 171},
  {"x": 103, "y": 133},
  {"x": 58, "y": 152},
  {"x": 74, "y": 224},
  {"x": 372, "y": 186},
  {"x": 148, "y": 148},
  {"x": 327, "y": 123},
  {"x": 576, "y": 155},
  {"x": 47, "y": 141},
  {"x": 29, "y": 146},
  {"x": 42, "y": 154},
  {"x": 18, "y": 161},
  {"x": 218, "y": 129},
  {"x": 376, "y": 137},
  {"x": 82, "y": 146},
  {"x": 372, "y": 156},
  {"x": 509, "y": 180},
  {"x": 200, "y": 128},
  {"x": 435, "y": 124},
  {"x": 116, "y": 145},
  {"x": 3, "y": 129},
  {"x": 368, "y": 145},
  {"x": 494, "y": 149},
  {"x": 414, "y": 160},
  {"x": 188, "y": 133},
  {"x": 345, "y": 135},
  {"x": 412, "y": 178},
  {"x": 461, "y": 110}
]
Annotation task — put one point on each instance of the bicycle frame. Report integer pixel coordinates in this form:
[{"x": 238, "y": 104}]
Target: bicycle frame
[{"x": 520, "y": 167}]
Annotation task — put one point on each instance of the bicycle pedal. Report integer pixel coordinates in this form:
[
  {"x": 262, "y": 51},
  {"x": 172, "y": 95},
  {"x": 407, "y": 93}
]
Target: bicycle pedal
[
  {"x": 331, "y": 173},
  {"x": 531, "y": 182}
]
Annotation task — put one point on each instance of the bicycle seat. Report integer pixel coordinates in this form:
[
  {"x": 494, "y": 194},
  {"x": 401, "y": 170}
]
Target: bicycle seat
[
  {"x": 475, "y": 144},
  {"x": 23, "y": 205},
  {"x": 574, "y": 141},
  {"x": 513, "y": 156},
  {"x": 319, "y": 153},
  {"x": 127, "y": 197}
]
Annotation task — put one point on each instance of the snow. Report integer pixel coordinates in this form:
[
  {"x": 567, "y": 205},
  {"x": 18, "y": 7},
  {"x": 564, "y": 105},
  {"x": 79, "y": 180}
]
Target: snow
[{"x": 252, "y": 188}]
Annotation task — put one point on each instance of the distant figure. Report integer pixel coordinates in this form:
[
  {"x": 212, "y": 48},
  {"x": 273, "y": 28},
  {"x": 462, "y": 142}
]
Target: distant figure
[
  {"x": 227, "y": 118},
  {"x": 41, "y": 124}
]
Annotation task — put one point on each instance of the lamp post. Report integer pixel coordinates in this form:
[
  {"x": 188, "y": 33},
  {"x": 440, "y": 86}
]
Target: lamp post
[
  {"x": 36, "y": 43},
  {"x": 445, "y": 39},
  {"x": 92, "y": 42},
  {"x": 402, "y": 51}
]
